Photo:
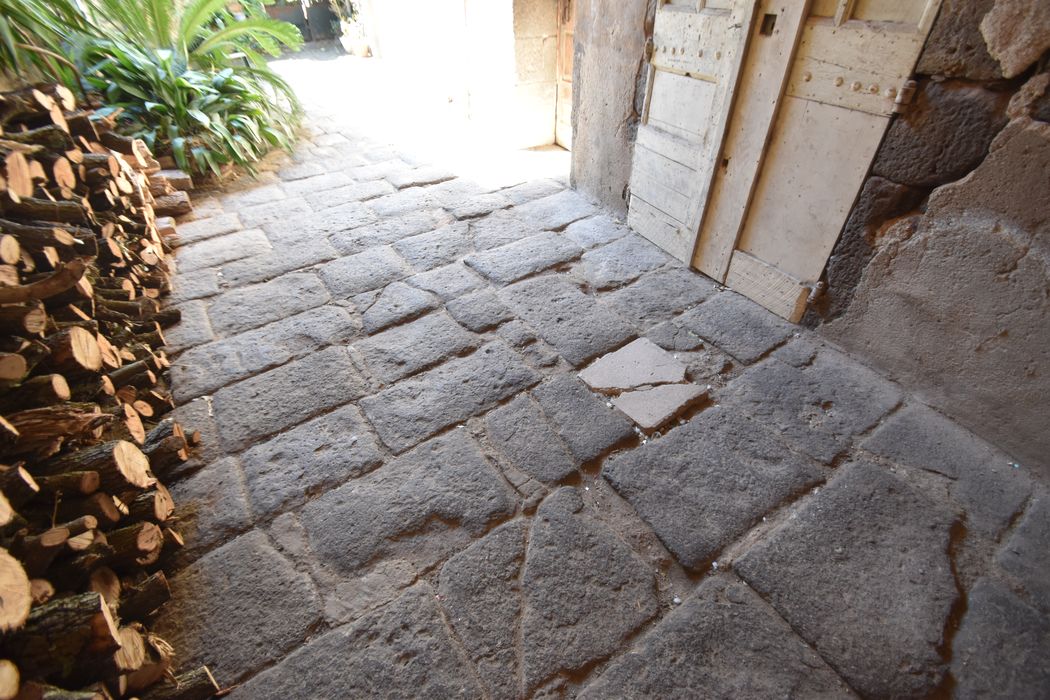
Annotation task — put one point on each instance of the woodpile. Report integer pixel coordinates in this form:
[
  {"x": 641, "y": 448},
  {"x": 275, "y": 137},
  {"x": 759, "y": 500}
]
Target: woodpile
[{"x": 85, "y": 448}]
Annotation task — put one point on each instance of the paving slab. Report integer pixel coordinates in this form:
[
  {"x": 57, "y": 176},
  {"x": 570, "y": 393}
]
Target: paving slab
[
  {"x": 555, "y": 212},
  {"x": 660, "y": 296},
  {"x": 388, "y": 230},
  {"x": 405, "y": 350},
  {"x": 1026, "y": 554},
  {"x": 584, "y": 421},
  {"x": 652, "y": 408},
  {"x": 596, "y": 230},
  {"x": 448, "y": 282},
  {"x": 372, "y": 269},
  {"x": 479, "y": 311},
  {"x": 207, "y": 227},
  {"x": 396, "y": 303},
  {"x": 522, "y": 258},
  {"x": 350, "y": 192},
  {"x": 621, "y": 262},
  {"x": 861, "y": 572},
  {"x": 737, "y": 325},
  {"x": 211, "y": 506},
  {"x": 273, "y": 211},
  {"x": 639, "y": 363},
  {"x": 193, "y": 329},
  {"x": 498, "y": 229},
  {"x": 194, "y": 285},
  {"x": 521, "y": 433},
  {"x": 249, "y": 307},
  {"x": 703, "y": 485},
  {"x": 435, "y": 248}
]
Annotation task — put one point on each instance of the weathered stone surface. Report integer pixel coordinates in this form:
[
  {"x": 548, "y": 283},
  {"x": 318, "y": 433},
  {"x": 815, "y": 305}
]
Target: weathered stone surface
[
  {"x": 620, "y": 262},
  {"x": 1001, "y": 647},
  {"x": 574, "y": 323},
  {"x": 651, "y": 408},
  {"x": 671, "y": 336},
  {"x": 316, "y": 184},
  {"x": 282, "y": 397},
  {"x": 352, "y": 192},
  {"x": 298, "y": 171},
  {"x": 405, "y": 350},
  {"x": 588, "y": 426},
  {"x": 861, "y": 572},
  {"x": 955, "y": 47},
  {"x": 555, "y": 212},
  {"x": 1026, "y": 555},
  {"x": 285, "y": 257},
  {"x": 595, "y": 231},
  {"x": 1017, "y": 33},
  {"x": 706, "y": 483},
  {"x": 737, "y": 325},
  {"x": 523, "y": 258},
  {"x": 448, "y": 282},
  {"x": 660, "y": 296},
  {"x": 393, "y": 304},
  {"x": 415, "y": 177},
  {"x": 479, "y": 589},
  {"x": 380, "y": 170},
  {"x": 201, "y": 229},
  {"x": 532, "y": 189},
  {"x": 636, "y": 364},
  {"x": 362, "y": 594},
  {"x": 400, "y": 650},
  {"x": 479, "y": 311},
  {"x": 403, "y": 201},
  {"x": 416, "y": 408},
  {"x": 205, "y": 368},
  {"x": 944, "y": 134},
  {"x": 238, "y": 608},
  {"x": 193, "y": 327},
  {"x": 419, "y": 506},
  {"x": 194, "y": 285},
  {"x": 388, "y": 230},
  {"x": 308, "y": 459},
  {"x": 328, "y": 221},
  {"x": 724, "y": 642},
  {"x": 964, "y": 297},
  {"x": 984, "y": 483},
  {"x": 211, "y": 506},
  {"x": 481, "y": 205},
  {"x": 436, "y": 248},
  {"x": 585, "y": 590},
  {"x": 253, "y": 193},
  {"x": 817, "y": 407},
  {"x": 363, "y": 272},
  {"x": 499, "y": 229},
  {"x": 521, "y": 433},
  {"x": 249, "y": 307},
  {"x": 274, "y": 211}
]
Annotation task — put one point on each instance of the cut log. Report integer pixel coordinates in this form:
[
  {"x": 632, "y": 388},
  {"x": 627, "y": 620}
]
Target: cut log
[
  {"x": 84, "y": 483},
  {"x": 10, "y": 251},
  {"x": 42, "y": 431},
  {"x": 145, "y": 598},
  {"x": 18, "y": 485},
  {"x": 136, "y": 545},
  {"x": 42, "y": 390},
  {"x": 15, "y": 598},
  {"x": 100, "y": 505},
  {"x": 73, "y": 350},
  {"x": 198, "y": 684},
  {"x": 36, "y": 552},
  {"x": 106, "y": 583},
  {"x": 120, "y": 465},
  {"x": 155, "y": 505},
  {"x": 57, "y": 633},
  {"x": 23, "y": 319},
  {"x": 9, "y": 679},
  {"x": 64, "y": 278},
  {"x": 13, "y": 366},
  {"x": 41, "y": 591},
  {"x": 174, "y": 204},
  {"x": 158, "y": 662},
  {"x": 41, "y": 691},
  {"x": 35, "y": 209}
]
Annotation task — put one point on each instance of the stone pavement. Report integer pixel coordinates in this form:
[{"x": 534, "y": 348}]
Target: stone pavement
[{"x": 407, "y": 490}]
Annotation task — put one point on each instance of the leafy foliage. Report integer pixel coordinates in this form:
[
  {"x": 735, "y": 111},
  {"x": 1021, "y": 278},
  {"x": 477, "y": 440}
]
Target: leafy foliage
[{"x": 32, "y": 36}]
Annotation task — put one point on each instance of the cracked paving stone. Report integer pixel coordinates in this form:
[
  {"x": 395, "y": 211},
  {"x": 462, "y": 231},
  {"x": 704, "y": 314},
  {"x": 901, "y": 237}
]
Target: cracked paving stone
[
  {"x": 211, "y": 507},
  {"x": 419, "y": 176},
  {"x": 574, "y": 323},
  {"x": 328, "y": 221},
  {"x": 316, "y": 184},
  {"x": 419, "y": 507},
  {"x": 479, "y": 589},
  {"x": 245, "y": 308},
  {"x": 861, "y": 571},
  {"x": 523, "y": 258},
  {"x": 706, "y": 483},
  {"x": 533, "y": 189},
  {"x": 585, "y": 590},
  {"x": 238, "y": 608},
  {"x": 274, "y": 212},
  {"x": 193, "y": 329},
  {"x": 584, "y": 421},
  {"x": 621, "y": 262},
  {"x": 819, "y": 407},
  {"x": 521, "y": 433},
  {"x": 321, "y": 453},
  {"x": 285, "y": 257},
  {"x": 395, "y": 303},
  {"x": 205, "y": 368},
  {"x": 208, "y": 227},
  {"x": 407, "y": 349},
  {"x": 639, "y": 363},
  {"x": 448, "y": 282},
  {"x": 416, "y": 408},
  {"x": 435, "y": 248},
  {"x": 354, "y": 192},
  {"x": 479, "y": 311},
  {"x": 737, "y": 325},
  {"x": 400, "y": 650},
  {"x": 983, "y": 480},
  {"x": 723, "y": 642},
  {"x": 556, "y": 211},
  {"x": 652, "y": 408},
  {"x": 283, "y": 397},
  {"x": 194, "y": 285},
  {"x": 481, "y": 205},
  {"x": 1026, "y": 555},
  {"x": 499, "y": 229},
  {"x": 389, "y": 230},
  {"x": 670, "y": 336},
  {"x": 363, "y": 272},
  {"x": 1001, "y": 647},
  {"x": 660, "y": 295},
  {"x": 595, "y": 231}
]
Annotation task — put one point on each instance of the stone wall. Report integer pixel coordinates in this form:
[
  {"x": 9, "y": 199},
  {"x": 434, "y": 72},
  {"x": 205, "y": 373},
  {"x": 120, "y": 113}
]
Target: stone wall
[
  {"x": 940, "y": 277},
  {"x": 609, "y": 71}
]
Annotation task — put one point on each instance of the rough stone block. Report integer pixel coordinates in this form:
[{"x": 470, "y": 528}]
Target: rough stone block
[
  {"x": 238, "y": 608},
  {"x": 955, "y": 47},
  {"x": 479, "y": 311},
  {"x": 209, "y": 227},
  {"x": 353, "y": 192},
  {"x": 378, "y": 171},
  {"x": 327, "y": 222},
  {"x": 555, "y": 212},
  {"x": 595, "y": 231},
  {"x": 253, "y": 193},
  {"x": 363, "y": 272},
  {"x": 419, "y": 176},
  {"x": 211, "y": 506},
  {"x": 737, "y": 325},
  {"x": 481, "y": 205},
  {"x": 395, "y": 303},
  {"x": 221, "y": 249},
  {"x": 652, "y": 408},
  {"x": 704, "y": 484},
  {"x": 416, "y": 408},
  {"x": 274, "y": 212},
  {"x": 194, "y": 285},
  {"x": 1026, "y": 555},
  {"x": 523, "y": 258},
  {"x": 284, "y": 258},
  {"x": 724, "y": 642},
  {"x": 419, "y": 506},
  {"x": 574, "y": 323},
  {"x": 282, "y": 397},
  {"x": 533, "y": 189},
  {"x": 316, "y": 184},
  {"x": 521, "y": 433},
  {"x": 448, "y": 282},
  {"x": 499, "y": 229},
  {"x": 1017, "y": 33},
  {"x": 308, "y": 459},
  {"x": 588, "y": 426},
  {"x": 249, "y": 307},
  {"x": 390, "y": 230},
  {"x": 671, "y": 336},
  {"x": 861, "y": 572},
  {"x": 636, "y": 364},
  {"x": 192, "y": 329},
  {"x": 620, "y": 262},
  {"x": 436, "y": 248},
  {"x": 660, "y": 296},
  {"x": 298, "y": 171},
  {"x": 407, "y": 349}
]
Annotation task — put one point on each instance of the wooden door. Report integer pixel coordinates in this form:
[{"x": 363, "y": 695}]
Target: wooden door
[
  {"x": 563, "y": 117},
  {"x": 697, "y": 48}
]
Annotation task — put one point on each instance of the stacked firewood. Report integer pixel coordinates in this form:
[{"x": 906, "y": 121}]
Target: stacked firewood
[{"x": 85, "y": 519}]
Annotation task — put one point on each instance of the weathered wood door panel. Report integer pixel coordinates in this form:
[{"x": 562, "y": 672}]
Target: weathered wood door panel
[{"x": 563, "y": 109}]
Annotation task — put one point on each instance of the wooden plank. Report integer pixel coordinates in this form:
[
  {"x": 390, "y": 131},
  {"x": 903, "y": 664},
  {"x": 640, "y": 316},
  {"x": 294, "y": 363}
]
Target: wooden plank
[
  {"x": 662, "y": 182},
  {"x": 770, "y": 287},
  {"x": 816, "y": 163},
  {"x": 754, "y": 111},
  {"x": 899, "y": 11},
  {"x": 689, "y": 43},
  {"x": 681, "y": 106},
  {"x": 659, "y": 228},
  {"x": 668, "y": 145}
]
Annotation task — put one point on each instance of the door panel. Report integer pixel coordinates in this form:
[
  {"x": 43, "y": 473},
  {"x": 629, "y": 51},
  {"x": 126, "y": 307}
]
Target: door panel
[{"x": 563, "y": 109}]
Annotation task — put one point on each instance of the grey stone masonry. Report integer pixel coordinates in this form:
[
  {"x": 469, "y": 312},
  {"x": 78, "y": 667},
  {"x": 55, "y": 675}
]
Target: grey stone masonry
[
  {"x": 524, "y": 257},
  {"x": 407, "y": 349},
  {"x": 249, "y": 307},
  {"x": 521, "y": 433}
]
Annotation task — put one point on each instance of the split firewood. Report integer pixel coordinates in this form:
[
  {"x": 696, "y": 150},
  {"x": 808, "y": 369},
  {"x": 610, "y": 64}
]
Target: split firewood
[
  {"x": 157, "y": 664},
  {"x": 145, "y": 598},
  {"x": 14, "y": 593},
  {"x": 41, "y": 590},
  {"x": 9, "y": 679},
  {"x": 57, "y": 633},
  {"x": 120, "y": 465}
]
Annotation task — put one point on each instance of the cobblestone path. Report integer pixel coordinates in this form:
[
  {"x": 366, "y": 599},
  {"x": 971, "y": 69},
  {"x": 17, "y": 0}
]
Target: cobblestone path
[{"x": 408, "y": 491}]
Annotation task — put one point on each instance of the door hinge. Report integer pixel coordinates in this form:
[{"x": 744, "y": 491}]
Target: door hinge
[{"x": 905, "y": 96}]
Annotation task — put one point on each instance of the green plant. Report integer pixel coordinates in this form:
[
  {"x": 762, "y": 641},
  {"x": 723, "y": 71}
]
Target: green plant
[{"x": 33, "y": 34}]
